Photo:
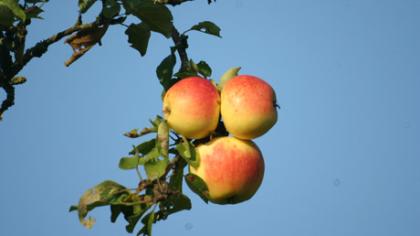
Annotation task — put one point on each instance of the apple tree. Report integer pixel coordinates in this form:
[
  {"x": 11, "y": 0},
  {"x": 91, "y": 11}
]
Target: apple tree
[{"x": 161, "y": 158}]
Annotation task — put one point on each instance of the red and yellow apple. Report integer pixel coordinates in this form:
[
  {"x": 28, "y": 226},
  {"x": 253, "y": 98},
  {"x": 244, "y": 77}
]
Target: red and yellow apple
[
  {"x": 192, "y": 107},
  {"x": 248, "y": 106},
  {"x": 232, "y": 168}
]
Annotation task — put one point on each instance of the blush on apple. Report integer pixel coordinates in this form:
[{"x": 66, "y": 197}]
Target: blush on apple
[
  {"x": 192, "y": 107},
  {"x": 248, "y": 106},
  {"x": 232, "y": 168}
]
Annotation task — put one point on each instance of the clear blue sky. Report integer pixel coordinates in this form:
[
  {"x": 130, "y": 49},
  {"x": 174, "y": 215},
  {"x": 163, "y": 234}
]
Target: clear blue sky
[{"x": 343, "y": 159}]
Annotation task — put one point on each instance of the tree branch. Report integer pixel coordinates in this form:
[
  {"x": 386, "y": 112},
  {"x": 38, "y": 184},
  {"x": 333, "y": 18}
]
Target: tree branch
[
  {"x": 5, "y": 64},
  {"x": 10, "y": 98},
  {"x": 41, "y": 47},
  {"x": 181, "y": 46},
  {"x": 9, "y": 69},
  {"x": 36, "y": 51}
]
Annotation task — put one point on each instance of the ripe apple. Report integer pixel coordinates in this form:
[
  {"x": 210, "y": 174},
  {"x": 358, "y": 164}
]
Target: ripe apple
[
  {"x": 248, "y": 106},
  {"x": 192, "y": 107},
  {"x": 232, "y": 168}
]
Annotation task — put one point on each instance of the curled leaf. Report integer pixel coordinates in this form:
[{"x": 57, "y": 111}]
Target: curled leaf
[
  {"x": 84, "y": 40},
  {"x": 229, "y": 74},
  {"x": 204, "y": 69},
  {"x": 100, "y": 195}
]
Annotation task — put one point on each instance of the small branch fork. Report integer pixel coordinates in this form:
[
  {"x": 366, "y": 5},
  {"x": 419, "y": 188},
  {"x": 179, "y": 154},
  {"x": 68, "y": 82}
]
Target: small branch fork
[{"x": 181, "y": 46}]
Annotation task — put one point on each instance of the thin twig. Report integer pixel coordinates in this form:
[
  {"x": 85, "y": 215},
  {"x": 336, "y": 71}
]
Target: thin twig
[{"x": 41, "y": 47}]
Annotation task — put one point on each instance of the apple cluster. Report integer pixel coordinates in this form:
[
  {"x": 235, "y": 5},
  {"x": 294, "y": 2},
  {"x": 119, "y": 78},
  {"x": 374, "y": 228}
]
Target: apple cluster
[{"x": 231, "y": 165}]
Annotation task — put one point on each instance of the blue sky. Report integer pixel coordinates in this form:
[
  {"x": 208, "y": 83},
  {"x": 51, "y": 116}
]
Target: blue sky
[{"x": 343, "y": 159}]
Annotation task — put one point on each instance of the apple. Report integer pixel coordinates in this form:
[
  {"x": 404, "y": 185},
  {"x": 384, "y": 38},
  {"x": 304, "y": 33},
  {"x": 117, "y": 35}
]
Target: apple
[
  {"x": 192, "y": 107},
  {"x": 248, "y": 106},
  {"x": 232, "y": 168}
]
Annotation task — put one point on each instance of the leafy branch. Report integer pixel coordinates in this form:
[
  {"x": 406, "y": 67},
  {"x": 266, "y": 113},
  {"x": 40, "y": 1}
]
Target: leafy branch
[
  {"x": 163, "y": 158},
  {"x": 14, "y": 34}
]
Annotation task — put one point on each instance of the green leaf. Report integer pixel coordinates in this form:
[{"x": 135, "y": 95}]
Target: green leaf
[
  {"x": 198, "y": 186},
  {"x": 150, "y": 223},
  {"x": 156, "y": 121},
  {"x": 110, "y": 8},
  {"x": 204, "y": 69},
  {"x": 147, "y": 221},
  {"x": 207, "y": 27},
  {"x": 229, "y": 74},
  {"x": 132, "y": 212},
  {"x": 182, "y": 202},
  {"x": 175, "y": 182},
  {"x": 84, "y": 5},
  {"x": 193, "y": 66},
  {"x": 129, "y": 163},
  {"x": 185, "y": 74},
  {"x": 116, "y": 210},
  {"x": 100, "y": 195},
  {"x": 187, "y": 151},
  {"x": 152, "y": 155},
  {"x": 163, "y": 139},
  {"x": 156, "y": 168},
  {"x": 144, "y": 147},
  {"x": 138, "y": 37},
  {"x": 178, "y": 202},
  {"x": 6, "y": 15},
  {"x": 33, "y": 12},
  {"x": 157, "y": 16},
  {"x": 73, "y": 208},
  {"x": 165, "y": 70},
  {"x": 133, "y": 215},
  {"x": 14, "y": 8}
]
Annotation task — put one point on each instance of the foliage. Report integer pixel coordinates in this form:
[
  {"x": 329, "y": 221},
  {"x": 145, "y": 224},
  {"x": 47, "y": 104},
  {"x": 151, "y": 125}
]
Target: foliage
[
  {"x": 151, "y": 16},
  {"x": 162, "y": 158}
]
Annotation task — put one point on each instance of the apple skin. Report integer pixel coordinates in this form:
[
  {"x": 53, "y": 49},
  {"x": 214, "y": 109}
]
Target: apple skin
[
  {"x": 192, "y": 107},
  {"x": 233, "y": 169},
  {"x": 248, "y": 106}
]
